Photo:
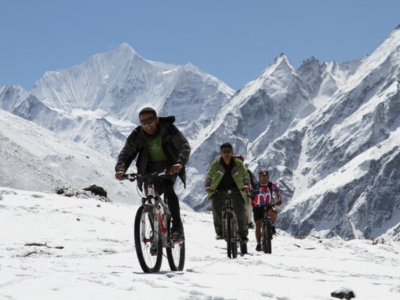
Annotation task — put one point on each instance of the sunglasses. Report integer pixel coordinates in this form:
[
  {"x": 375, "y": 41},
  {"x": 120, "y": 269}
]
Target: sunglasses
[
  {"x": 147, "y": 121},
  {"x": 226, "y": 151}
]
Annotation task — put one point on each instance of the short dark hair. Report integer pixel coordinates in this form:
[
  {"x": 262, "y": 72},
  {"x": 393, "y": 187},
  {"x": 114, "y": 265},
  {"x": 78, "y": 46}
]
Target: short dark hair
[
  {"x": 148, "y": 110},
  {"x": 226, "y": 145}
]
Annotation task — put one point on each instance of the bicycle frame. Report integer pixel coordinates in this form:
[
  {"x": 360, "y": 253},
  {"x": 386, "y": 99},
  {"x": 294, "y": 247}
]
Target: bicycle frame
[{"x": 161, "y": 214}]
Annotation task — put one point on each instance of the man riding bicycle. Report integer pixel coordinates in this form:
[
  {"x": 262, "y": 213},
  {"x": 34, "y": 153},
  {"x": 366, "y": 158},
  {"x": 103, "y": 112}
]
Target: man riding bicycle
[
  {"x": 262, "y": 198},
  {"x": 224, "y": 173},
  {"x": 158, "y": 145}
]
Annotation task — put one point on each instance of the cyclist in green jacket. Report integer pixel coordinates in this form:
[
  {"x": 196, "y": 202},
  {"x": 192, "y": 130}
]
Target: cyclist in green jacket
[
  {"x": 157, "y": 144},
  {"x": 227, "y": 172}
]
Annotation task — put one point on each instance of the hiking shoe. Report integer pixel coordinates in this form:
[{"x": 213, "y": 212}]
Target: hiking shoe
[
  {"x": 258, "y": 248},
  {"x": 250, "y": 225},
  {"x": 177, "y": 231},
  {"x": 273, "y": 230},
  {"x": 243, "y": 248},
  {"x": 219, "y": 237},
  {"x": 177, "y": 234}
]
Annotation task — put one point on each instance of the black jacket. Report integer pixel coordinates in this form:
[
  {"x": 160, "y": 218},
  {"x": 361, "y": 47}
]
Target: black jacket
[{"x": 175, "y": 146}]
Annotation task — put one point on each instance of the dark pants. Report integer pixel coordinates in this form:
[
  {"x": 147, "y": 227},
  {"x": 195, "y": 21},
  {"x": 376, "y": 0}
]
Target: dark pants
[
  {"x": 166, "y": 186},
  {"x": 172, "y": 198},
  {"x": 239, "y": 207}
]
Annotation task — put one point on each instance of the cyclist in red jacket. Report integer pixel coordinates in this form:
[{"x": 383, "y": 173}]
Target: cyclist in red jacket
[{"x": 263, "y": 197}]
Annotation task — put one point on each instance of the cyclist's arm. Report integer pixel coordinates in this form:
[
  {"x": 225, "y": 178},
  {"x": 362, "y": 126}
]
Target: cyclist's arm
[
  {"x": 182, "y": 145},
  {"x": 127, "y": 154},
  {"x": 245, "y": 176},
  {"x": 278, "y": 194},
  {"x": 211, "y": 173}
]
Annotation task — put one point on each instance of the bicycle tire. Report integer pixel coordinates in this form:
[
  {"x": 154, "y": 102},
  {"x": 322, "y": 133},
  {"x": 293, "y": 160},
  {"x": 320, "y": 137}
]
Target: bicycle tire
[
  {"x": 234, "y": 240},
  {"x": 266, "y": 238},
  {"x": 148, "y": 253},
  {"x": 231, "y": 243},
  {"x": 228, "y": 235},
  {"x": 175, "y": 251}
]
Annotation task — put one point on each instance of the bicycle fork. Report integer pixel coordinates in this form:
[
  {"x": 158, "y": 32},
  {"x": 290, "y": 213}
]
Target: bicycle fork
[
  {"x": 267, "y": 226},
  {"x": 225, "y": 218}
]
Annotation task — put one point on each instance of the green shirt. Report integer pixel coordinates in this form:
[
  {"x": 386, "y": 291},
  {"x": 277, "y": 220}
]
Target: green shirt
[{"x": 156, "y": 152}]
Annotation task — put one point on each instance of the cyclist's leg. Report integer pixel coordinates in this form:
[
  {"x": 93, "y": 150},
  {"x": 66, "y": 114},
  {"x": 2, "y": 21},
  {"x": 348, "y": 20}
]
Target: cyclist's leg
[
  {"x": 274, "y": 215},
  {"x": 173, "y": 204},
  {"x": 240, "y": 210},
  {"x": 249, "y": 213},
  {"x": 217, "y": 205},
  {"x": 258, "y": 219}
]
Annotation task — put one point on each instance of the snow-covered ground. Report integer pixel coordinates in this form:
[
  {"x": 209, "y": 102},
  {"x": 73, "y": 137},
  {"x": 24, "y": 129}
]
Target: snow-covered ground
[{"x": 87, "y": 252}]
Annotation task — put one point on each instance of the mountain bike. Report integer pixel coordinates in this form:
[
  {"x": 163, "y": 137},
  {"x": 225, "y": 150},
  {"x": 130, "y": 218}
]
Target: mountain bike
[
  {"x": 230, "y": 224},
  {"x": 266, "y": 230},
  {"x": 152, "y": 229}
]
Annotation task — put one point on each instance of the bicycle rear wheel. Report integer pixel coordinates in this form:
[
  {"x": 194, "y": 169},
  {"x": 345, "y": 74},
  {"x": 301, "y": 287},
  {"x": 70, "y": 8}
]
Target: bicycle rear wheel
[
  {"x": 175, "y": 251},
  {"x": 149, "y": 251},
  {"x": 266, "y": 237}
]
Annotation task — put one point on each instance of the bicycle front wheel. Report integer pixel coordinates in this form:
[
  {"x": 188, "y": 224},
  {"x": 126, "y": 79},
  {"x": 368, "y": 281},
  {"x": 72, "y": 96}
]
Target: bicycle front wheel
[
  {"x": 231, "y": 241},
  {"x": 148, "y": 247},
  {"x": 266, "y": 238},
  {"x": 175, "y": 251}
]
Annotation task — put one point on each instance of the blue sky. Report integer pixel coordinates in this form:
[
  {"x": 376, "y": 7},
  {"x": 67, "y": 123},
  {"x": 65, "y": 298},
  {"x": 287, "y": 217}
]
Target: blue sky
[{"x": 232, "y": 40}]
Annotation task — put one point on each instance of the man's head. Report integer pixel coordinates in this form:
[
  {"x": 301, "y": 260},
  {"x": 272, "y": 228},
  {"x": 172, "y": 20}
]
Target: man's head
[
  {"x": 148, "y": 120},
  {"x": 226, "y": 151},
  {"x": 263, "y": 175}
]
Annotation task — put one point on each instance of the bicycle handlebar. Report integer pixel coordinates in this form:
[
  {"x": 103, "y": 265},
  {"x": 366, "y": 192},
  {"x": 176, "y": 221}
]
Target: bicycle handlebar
[
  {"x": 134, "y": 176},
  {"x": 226, "y": 192}
]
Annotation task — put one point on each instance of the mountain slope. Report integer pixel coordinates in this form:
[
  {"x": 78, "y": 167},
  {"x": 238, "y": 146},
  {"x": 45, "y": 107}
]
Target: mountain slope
[{"x": 33, "y": 158}]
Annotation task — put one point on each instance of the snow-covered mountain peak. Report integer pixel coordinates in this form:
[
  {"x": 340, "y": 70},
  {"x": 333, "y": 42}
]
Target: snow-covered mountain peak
[
  {"x": 375, "y": 61},
  {"x": 125, "y": 47},
  {"x": 311, "y": 64},
  {"x": 11, "y": 96},
  {"x": 280, "y": 64},
  {"x": 274, "y": 79},
  {"x": 123, "y": 54},
  {"x": 191, "y": 67}
]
